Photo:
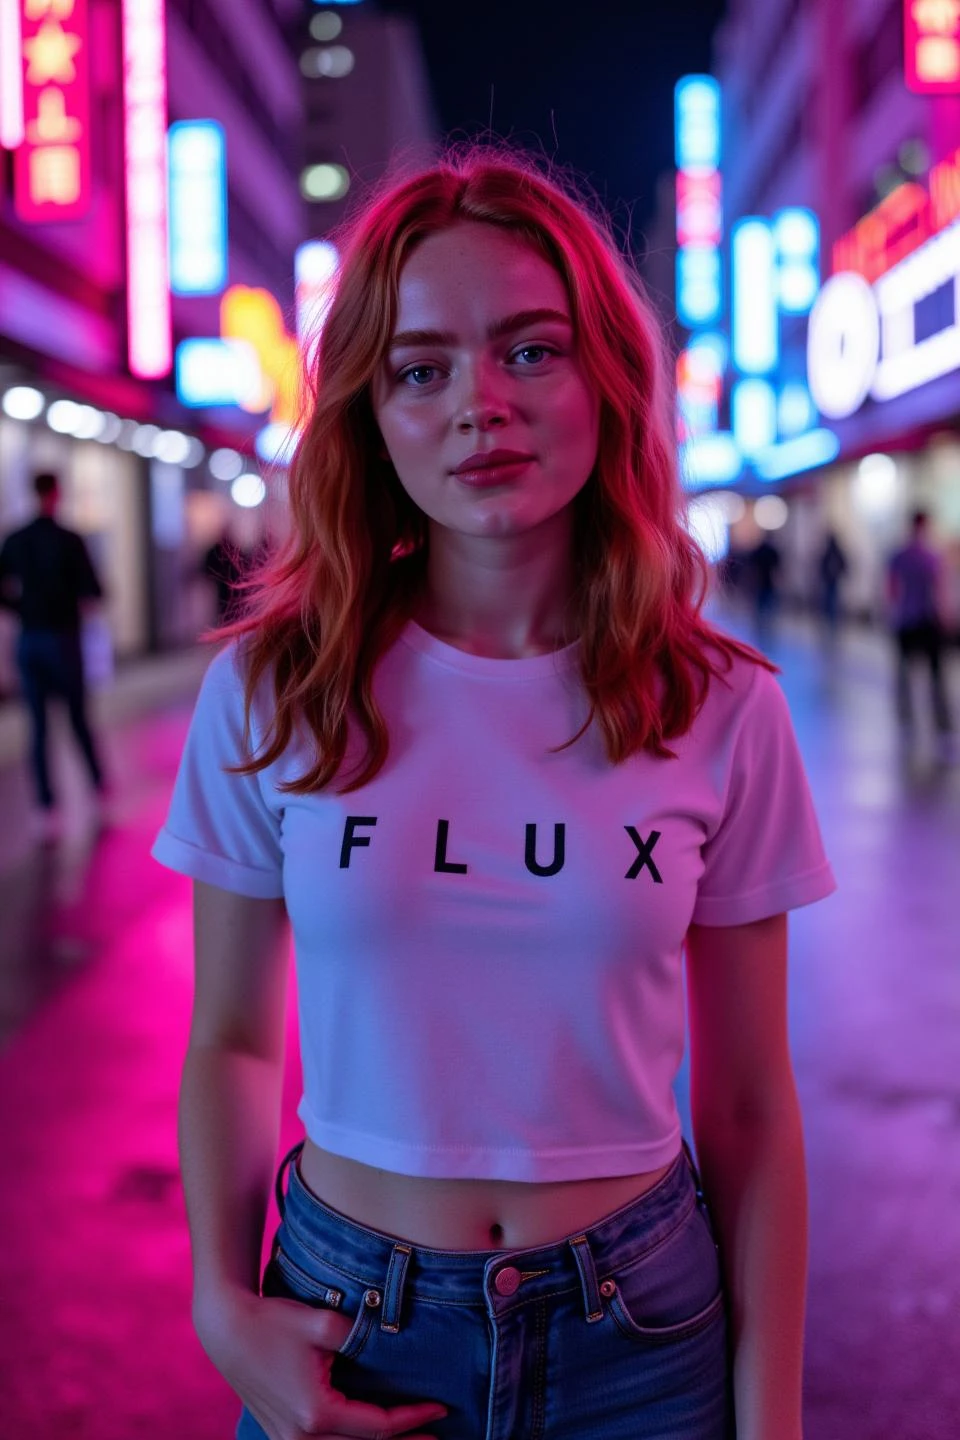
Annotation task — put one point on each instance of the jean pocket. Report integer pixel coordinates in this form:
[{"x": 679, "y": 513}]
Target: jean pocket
[
  {"x": 672, "y": 1293},
  {"x": 285, "y": 1279}
]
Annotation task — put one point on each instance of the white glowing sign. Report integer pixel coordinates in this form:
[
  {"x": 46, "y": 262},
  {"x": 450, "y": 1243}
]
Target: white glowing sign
[
  {"x": 315, "y": 269},
  {"x": 753, "y": 414},
  {"x": 218, "y": 372},
  {"x": 145, "y": 134},
  {"x": 803, "y": 452},
  {"x": 197, "y": 159},
  {"x": 712, "y": 459},
  {"x": 755, "y": 329},
  {"x": 796, "y": 233},
  {"x": 843, "y": 343},
  {"x": 866, "y": 340}
]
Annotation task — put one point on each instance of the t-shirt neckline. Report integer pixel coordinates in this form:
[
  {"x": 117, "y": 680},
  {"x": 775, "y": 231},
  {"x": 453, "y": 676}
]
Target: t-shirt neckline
[{"x": 526, "y": 667}]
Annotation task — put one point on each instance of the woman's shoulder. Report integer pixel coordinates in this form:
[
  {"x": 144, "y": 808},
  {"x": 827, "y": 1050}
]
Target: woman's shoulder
[
  {"x": 741, "y": 682},
  {"x": 226, "y": 681}
]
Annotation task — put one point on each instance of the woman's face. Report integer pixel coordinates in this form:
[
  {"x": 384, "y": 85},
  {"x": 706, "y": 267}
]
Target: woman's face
[{"x": 481, "y": 400}]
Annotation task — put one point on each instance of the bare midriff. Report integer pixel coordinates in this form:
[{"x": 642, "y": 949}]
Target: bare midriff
[{"x": 466, "y": 1214}]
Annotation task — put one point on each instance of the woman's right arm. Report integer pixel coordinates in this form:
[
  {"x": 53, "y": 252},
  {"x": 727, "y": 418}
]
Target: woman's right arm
[
  {"x": 230, "y": 1091},
  {"x": 276, "y": 1354}
]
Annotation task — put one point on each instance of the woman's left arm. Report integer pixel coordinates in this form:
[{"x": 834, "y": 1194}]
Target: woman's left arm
[{"x": 749, "y": 1141}]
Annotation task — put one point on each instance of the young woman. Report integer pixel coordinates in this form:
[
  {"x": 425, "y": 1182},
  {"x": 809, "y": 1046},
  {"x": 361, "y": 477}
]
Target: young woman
[{"x": 475, "y": 744}]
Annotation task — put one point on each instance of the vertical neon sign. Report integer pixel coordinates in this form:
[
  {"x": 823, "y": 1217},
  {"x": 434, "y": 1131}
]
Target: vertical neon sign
[
  {"x": 145, "y": 130},
  {"x": 197, "y": 158},
  {"x": 11, "y": 75},
  {"x": 52, "y": 164},
  {"x": 931, "y": 46},
  {"x": 699, "y": 200}
]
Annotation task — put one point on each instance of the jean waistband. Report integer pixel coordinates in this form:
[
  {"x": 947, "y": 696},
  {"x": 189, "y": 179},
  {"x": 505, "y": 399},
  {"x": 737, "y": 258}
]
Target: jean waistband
[{"x": 464, "y": 1276}]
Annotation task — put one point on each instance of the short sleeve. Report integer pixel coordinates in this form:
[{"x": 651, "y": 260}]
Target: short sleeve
[
  {"x": 765, "y": 855},
  {"x": 219, "y": 827}
]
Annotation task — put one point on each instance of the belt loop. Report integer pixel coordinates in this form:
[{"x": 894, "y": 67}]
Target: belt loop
[
  {"x": 278, "y": 1190},
  {"x": 393, "y": 1288},
  {"x": 588, "y": 1277}
]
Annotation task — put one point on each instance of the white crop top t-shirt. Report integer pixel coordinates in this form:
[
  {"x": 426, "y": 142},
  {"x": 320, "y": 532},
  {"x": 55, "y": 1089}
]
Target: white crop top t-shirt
[{"x": 488, "y": 935}]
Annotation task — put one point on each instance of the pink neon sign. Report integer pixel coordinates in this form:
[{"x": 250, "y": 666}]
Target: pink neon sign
[
  {"x": 149, "y": 343},
  {"x": 11, "y": 75},
  {"x": 52, "y": 166},
  {"x": 931, "y": 46}
]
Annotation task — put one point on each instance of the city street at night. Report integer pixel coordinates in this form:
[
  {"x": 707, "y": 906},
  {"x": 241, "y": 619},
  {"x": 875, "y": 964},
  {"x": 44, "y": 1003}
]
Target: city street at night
[
  {"x": 95, "y": 1334},
  {"x": 450, "y": 355}
]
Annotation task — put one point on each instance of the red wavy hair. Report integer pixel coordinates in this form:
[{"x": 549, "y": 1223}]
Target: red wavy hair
[{"x": 337, "y": 595}]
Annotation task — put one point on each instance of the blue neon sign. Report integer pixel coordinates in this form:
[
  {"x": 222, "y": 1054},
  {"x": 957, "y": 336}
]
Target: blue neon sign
[
  {"x": 696, "y": 118},
  {"x": 197, "y": 166}
]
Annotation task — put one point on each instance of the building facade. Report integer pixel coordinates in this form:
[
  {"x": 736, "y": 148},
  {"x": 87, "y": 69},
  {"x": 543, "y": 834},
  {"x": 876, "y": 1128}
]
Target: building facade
[
  {"x": 92, "y": 312},
  {"x": 367, "y": 105},
  {"x": 842, "y": 393}
]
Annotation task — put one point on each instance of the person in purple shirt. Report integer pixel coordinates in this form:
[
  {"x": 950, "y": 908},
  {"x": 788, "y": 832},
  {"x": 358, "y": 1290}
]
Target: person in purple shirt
[{"x": 915, "y": 593}]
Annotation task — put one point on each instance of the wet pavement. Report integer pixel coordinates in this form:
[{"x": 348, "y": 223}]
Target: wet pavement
[{"x": 95, "y": 982}]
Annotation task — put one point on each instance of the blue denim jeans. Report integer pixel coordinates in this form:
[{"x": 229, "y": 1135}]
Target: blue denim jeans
[{"x": 618, "y": 1331}]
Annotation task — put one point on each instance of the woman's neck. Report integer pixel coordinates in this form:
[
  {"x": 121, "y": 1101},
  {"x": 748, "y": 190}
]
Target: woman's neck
[{"x": 503, "y": 598}]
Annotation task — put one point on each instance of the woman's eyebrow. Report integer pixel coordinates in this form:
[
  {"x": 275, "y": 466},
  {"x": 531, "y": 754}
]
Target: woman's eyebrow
[{"x": 520, "y": 320}]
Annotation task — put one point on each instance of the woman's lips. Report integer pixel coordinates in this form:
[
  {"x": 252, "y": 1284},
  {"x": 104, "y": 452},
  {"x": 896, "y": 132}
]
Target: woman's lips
[{"x": 501, "y": 472}]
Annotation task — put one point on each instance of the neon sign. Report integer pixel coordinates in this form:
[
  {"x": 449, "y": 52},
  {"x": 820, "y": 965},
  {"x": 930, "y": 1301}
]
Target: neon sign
[
  {"x": 796, "y": 233},
  {"x": 218, "y": 372},
  {"x": 700, "y": 383},
  {"x": 254, "y": 316},
  {"x": 756, "y": 341},
  {"x": 315, "y": 269},
  {"x": 901, "y": 223},
  {"x": 699, "y": 200},
  {"x": 875, "y": 339},
  {"x": 196, "y": 153},
  {"x": 931, "y": 46},
  {"x": 696, "y": 101},
  {"x": 888, "y": 320},
  {"x": 52, "y": 165},
  {"x": 145, "y": 133},
  {"x": 11, "y": 75},
  {"x": 699, "y": 214},
  {"x": 753, "y": 415}
]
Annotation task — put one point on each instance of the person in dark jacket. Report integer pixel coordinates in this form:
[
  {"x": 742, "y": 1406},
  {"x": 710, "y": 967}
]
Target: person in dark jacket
[
  {"x": 915, "y": 585},
  {"x": 46, "y": 575}
]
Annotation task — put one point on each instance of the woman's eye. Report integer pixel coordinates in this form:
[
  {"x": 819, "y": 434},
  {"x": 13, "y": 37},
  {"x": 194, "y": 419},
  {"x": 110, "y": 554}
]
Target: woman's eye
[
  {"x": 531, "y": 354},
  {"x": 417, "y": 375}
]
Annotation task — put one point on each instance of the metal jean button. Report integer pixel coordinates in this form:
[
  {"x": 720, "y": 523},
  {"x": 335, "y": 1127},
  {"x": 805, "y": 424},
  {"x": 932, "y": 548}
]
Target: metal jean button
[{"x": 507, "y": 1280}]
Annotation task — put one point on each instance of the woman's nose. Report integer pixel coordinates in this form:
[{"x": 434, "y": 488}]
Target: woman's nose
[{"x": 484, "y": 405}]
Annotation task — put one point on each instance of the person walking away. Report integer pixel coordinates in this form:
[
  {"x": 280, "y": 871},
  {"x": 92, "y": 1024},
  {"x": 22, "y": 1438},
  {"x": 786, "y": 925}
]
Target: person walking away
[
  {"x": 915, "y": 584},
  {"x": 46, "y": 577},
  {"x": 765, "y": 571},
  {"x": 831, "y": 568},
  {"x": 222, "y": 564}
]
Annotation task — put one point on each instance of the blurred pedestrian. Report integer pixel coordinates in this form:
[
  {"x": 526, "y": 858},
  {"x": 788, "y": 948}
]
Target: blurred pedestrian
[
  {"x": 764, "y": 564},
  {"x": 831, "y": 567},
  {"x": 475, "y": 737},
  {"x": 915, "y": 591},
  {"x": 47, "y": 578},
  {"x": 229, "y": 564},
  {"x": 223, "y": 564}
]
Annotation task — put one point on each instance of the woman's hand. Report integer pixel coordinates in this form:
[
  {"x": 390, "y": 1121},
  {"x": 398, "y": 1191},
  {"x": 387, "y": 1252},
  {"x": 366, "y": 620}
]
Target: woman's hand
[{"x": 278, "y": 1356}]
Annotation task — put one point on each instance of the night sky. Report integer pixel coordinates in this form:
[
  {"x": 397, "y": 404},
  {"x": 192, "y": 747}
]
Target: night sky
[{"x": 589, "y": 81}]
